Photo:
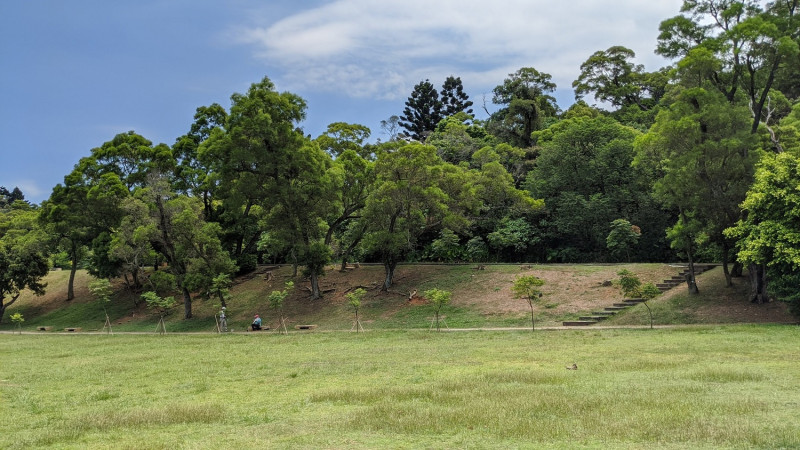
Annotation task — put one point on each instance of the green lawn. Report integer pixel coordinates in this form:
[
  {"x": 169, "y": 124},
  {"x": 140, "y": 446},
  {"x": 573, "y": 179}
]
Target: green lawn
[{"x": 694, "y": 387}]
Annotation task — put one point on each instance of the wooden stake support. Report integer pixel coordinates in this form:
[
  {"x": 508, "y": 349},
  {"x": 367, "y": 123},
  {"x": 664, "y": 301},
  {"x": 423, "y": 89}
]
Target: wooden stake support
[
  {"x": 161, "y": 328},
  {"x": 107, "y": 324}
]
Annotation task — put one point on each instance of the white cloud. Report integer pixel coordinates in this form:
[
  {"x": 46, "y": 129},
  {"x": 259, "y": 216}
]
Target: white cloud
[
  {"x": 381, "y": 49},
  {"x": 30, "y": 188}
]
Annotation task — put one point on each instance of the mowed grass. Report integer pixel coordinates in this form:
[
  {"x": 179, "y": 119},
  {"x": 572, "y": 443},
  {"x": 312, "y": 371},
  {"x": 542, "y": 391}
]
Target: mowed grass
[{"x": 693, "y": 387}]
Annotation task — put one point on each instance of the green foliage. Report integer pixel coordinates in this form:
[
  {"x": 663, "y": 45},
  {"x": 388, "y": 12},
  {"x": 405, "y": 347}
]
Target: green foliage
[
  {"x": 528, "y": 106},
  {"x": 276, "y": 298},
  {"x": 23, "y": 255},
  {"x": 477, "y": 250},
  {"x": 446, "y": 247},
  {"x": 629, "y": 283},
  {"x": 155, "y": 301},
  {"x": 422, "y": 112},
  {"x": 584, "y": 175},
  {"x": 611, "y": 77},
  {"x": 622, "y": 238},
  {"x": 528, "y": 287},
  {"x": 438, "y": 298},
  {"x": 17, "y": 318},
  {"x": 649, "y": 291},
  {"x": 340, "y": 137},
  {"x": 516, "y": 235},
  {"x": 161, "y": 282},
  {"x": 412, "y": 193},
  {"x": 101, "y": 289},
  {"x": 770, "y": 234},
  {"x": 453, "y": 98},
  {"x": 354, "y": 298}
]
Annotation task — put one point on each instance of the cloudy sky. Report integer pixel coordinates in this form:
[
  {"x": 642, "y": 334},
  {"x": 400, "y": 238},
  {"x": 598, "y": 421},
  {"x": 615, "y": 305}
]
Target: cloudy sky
[{"x": 75, "y": 73}]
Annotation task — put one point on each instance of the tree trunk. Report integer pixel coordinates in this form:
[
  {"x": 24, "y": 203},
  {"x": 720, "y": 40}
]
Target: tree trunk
[
  {"x": 187, "y": 304},
  {"x": 389, "y": 269},
  {"x": 737, "y": 269},
  {"x": 71, "y": 285},
  {"x": 135, "y": 273},
  {"x": 691, "y": 281},
  {"x": 533, "y": 325},
  {"x": 758, "y": 283},
  {"x": 728, "y": 276},
  {"x": 315, "y": 294},
  {"x": 222, "y": 299},
  {"x": 294, "y": 263}
]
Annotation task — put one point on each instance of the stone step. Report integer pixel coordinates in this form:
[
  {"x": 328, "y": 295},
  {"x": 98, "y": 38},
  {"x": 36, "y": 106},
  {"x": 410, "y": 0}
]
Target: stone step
[
  {"x": 633, "y": 301},
  {"x": 616, "y": 308},
  {"x": 579, "y": 323},
  {"x": 604, "y": 313},
  {"x": 595, "y": 318},
  {"x": 623, "y": 305}
]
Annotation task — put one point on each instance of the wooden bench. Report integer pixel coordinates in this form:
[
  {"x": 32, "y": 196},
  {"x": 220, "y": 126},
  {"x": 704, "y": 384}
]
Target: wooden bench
[
  {"x": 44, "y": 328},
  {"x": 304, "y": 327}
]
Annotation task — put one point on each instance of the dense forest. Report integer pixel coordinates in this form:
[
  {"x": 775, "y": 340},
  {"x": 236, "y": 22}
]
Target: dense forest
[{"x": 699, "y": 160}]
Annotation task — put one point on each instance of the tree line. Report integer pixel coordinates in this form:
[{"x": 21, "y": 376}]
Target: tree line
[{"x": 699, "y": 159}]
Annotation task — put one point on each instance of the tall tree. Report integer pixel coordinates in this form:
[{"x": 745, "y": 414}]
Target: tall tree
[
  {"x": 454, "y": 99},
  {"x": 612, "y": 77},
  {"x": 304, "y": 198},
  {"x": 176, "y": 229},
  {"x": 7, "y": 198},
  {"x": 422, "y": 112},
  {"x": 193, "y": 175},
  {"x": 251, "y": 156},
  {"x": 341, "y": 136},
  {"x": 80, "y": 212},
  {"x": 527, "y": 102},
  {"x": 407, "y": 200},
  {"x": 704, "y": 154},
  {"x": 584, "y": 175},
  {"x": 769, "y": 235},
  {"x": 23, "y": 257},
  {"x": 734, "y": 44}
]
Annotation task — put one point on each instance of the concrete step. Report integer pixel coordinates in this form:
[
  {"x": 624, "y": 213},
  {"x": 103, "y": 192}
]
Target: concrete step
[
  {"x": 616, "y": 308},
  {"x": 595, "y": 318},
  {"x": 604, "y": 313},
  {"x": 633, "y": 301},
  {"x": 623, "y": 305},
  {"x": 579, "y": 323}
]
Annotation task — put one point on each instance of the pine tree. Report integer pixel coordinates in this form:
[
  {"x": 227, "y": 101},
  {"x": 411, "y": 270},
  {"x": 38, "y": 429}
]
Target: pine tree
[
  {"x": 454, "y": 100},
  {"x": 423, "y": 111}
]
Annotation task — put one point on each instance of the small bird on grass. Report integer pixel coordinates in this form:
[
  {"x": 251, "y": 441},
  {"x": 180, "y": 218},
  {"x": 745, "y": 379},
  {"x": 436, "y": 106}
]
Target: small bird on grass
[{"x": 572, "y": 367}]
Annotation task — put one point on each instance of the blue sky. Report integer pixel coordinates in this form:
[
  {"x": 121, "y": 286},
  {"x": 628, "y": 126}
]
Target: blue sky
[{"x": 75, "y": 73}]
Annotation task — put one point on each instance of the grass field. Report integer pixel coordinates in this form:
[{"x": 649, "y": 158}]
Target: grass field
[{"x": 695, "y": 387}]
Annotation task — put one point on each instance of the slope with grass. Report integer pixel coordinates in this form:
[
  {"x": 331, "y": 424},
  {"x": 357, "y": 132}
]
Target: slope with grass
[{"x": 481, "y": 299}]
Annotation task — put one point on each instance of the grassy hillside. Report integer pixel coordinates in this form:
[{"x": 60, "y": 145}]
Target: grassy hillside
[{"x": 481, "y": 298}]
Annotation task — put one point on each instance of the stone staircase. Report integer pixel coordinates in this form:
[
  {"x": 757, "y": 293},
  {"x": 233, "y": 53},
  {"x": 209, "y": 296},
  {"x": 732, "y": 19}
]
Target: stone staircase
[{"x": 608, "y": 311}]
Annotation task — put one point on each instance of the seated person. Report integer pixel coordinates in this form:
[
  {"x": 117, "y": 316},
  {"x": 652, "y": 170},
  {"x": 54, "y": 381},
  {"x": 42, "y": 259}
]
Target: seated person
[{"x": 256, "y": 323}]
